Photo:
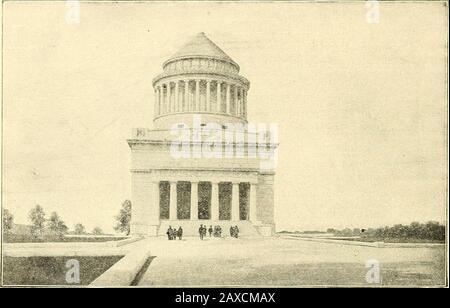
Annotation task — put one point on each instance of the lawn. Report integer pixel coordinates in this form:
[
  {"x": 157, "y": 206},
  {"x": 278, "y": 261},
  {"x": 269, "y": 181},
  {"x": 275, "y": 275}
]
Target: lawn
[{"x": 52, "y": 270}]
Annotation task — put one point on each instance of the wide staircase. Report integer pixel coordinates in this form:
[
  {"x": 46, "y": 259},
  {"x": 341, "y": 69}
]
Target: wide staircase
[{"x": 190, "y": 228}]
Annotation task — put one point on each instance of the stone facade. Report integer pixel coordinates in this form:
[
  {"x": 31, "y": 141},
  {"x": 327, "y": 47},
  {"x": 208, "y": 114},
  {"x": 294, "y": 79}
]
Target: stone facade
[{"x": 200, "y": 96}]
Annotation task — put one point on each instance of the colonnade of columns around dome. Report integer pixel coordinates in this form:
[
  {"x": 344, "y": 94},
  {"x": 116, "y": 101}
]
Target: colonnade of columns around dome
[{"x": 200, "y": 95}]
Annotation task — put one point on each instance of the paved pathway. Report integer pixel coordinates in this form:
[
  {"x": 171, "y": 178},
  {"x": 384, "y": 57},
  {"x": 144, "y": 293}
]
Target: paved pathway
[{"x": 282, "y": 262}]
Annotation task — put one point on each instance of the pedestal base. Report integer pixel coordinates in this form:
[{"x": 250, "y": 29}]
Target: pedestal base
[
  {"x": 144, "y": 230},
  {"x": 266, "y": 230}
]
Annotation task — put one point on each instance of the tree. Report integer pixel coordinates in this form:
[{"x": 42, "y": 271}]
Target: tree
[
  {"x": 370, "y": 232},
  {"x": 434, "y": 231},
  {"x": 356, "y": 231},
  {"x": 124, "y": 217},
  {"x": 331, "y": 230},
  {"x": 414, "y": 230},
  {"x": 97, "y": 231},
  {"x": 56, "y": 225},
  {"x": 346, "y": 232},
  {"x": 79, "y": 229},
  {"x": 37, "y": 217},
  {"x": 8, "y": 221}
]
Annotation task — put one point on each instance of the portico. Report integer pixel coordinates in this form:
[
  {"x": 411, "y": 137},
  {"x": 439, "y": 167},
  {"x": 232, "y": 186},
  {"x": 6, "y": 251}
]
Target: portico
[{"x": 206, "y": 200}]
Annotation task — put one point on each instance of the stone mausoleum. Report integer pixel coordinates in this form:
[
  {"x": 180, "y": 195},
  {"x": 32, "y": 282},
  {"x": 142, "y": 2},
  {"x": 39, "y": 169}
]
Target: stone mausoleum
[{"x": 203, "y": 162}]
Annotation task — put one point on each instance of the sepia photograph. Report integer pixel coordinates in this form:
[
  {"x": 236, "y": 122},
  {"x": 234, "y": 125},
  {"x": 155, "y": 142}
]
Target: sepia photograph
[{"x": 206, "y": 145}]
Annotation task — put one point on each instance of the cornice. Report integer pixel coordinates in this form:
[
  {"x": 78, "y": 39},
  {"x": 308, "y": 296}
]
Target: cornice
[{"x": 192, "y": 72}]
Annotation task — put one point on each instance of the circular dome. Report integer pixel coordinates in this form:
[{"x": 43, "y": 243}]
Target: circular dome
[
  {"x": 201, "y": 47},
  {"x": 200, "y": 79}
]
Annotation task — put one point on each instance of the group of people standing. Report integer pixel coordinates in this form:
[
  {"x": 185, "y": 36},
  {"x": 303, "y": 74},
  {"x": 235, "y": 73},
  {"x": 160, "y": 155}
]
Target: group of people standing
[
  {"x": 172, "y": 234},
  {"x": 202, "y": 232},
  {"x": 234, "y": 231},
  {"x": 216, "y": 231}
]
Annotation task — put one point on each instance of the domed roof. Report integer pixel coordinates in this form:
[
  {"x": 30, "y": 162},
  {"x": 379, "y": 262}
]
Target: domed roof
[{"x": 201, "y": 46}]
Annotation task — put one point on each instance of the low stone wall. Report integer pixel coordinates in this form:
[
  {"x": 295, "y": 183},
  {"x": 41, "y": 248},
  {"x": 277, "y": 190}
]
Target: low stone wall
[
  {"x": 66, "y": 252},
  {"x": 341, "y": 242},
  {"x": 124, "y": 272},
  {"x": 51, "y": 249},
  {"x": 411, "y": 245},
  {"x": 368, "y": 244},
  {"x": 125, "y": 241},
  {"x": 265, "y": 230}
]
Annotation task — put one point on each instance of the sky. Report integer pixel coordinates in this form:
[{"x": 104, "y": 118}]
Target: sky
[{"x": 361, "y": 107}]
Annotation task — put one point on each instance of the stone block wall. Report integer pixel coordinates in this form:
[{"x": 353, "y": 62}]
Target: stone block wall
[{"x": 265, "y": 199}]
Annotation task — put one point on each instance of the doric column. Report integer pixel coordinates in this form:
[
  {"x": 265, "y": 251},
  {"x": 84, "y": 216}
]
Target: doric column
[
  {"x": 208, "y": 95},
  {"x": 219, "y": 96},
  {"x": 155, "y": 105},
  {"x": 160, "y": 108},
  {"x": 173, "y": 201},
  {"x": 194, "y": 200},
  {"x": 157, "y": 101},
  {"x": 235, "y": 202},
  {"x": 174, "y": 102},
  {"x": 214, "y": 201},
  {"x": 197, "y": 95},
  {"x": 168, "y": 98},
  {"x": 244, "y": 103},
  {"x": 253, "y": 216},
  {"x": 228, "y": 99},
  {"x": 177, "y": 103},
  {"x": 186, "y": 95},
  {"x": 171, "y": 103},
  {"x": 241, "y": 102},
  {"x": 236, "y": 103},
  {"x": 163, "y": 99}
]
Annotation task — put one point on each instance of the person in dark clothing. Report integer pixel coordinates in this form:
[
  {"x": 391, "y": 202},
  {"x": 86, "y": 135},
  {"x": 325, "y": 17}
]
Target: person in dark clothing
[
  {"x": 200, "y": 232},
  {"x": 180, "y": 233},
  {"x": 169, "y": 233},
  {"x": 174, "y": 234},
  {"x": 236, "y": 232},
  {"x": 232, "y": 231},
  {"x": 204, "y": 231},
  {"x": 210, "y": 230},
  {"x": 216, "y": 231}
]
